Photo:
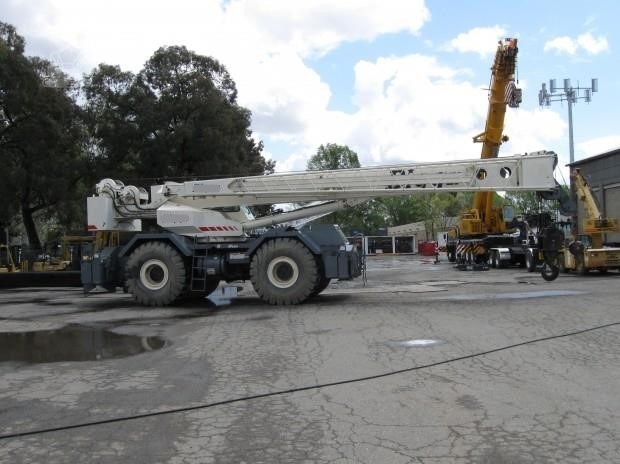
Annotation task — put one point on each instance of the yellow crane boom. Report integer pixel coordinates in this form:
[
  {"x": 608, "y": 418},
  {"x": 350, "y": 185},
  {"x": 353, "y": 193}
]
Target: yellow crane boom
[
  {"x": 594, "y": 223},
  {"x": 482, "y": 218}
]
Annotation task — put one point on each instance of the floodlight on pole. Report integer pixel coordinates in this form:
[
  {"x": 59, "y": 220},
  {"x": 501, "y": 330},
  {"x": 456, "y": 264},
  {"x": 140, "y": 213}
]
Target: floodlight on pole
[{"x": 570, "y": 95}]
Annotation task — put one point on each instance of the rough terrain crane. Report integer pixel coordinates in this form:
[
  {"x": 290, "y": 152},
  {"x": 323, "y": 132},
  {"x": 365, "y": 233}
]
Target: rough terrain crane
[
  {"x": 477, "y": 226},
  {"x": 586, "y": 251},
  {"x": 206, "y": 233}
]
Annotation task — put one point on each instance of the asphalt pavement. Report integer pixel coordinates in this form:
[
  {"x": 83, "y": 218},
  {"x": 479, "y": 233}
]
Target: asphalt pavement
[{"x": 422, "y": 363}]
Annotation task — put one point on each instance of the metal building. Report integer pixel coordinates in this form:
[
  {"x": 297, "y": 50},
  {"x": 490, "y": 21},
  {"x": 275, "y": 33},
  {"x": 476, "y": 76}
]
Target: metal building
[{"x": 603, "y": 175}]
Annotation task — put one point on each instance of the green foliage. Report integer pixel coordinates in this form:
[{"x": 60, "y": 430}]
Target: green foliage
[
  {"x": 524, "y": 202},
  {"x": 434, "y": 209},
  {"x": 366, "y": 219},
  {"x": 10, "y": 41},
  {"x": 40, "y": 137},
  {"x": 177, "y": 118},
  {"x": 333, "y": 156},
  {"x": 402, "y": 210}
]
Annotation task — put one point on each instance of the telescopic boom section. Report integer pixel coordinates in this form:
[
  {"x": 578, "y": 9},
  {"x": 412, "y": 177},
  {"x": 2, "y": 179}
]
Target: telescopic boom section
[
  {"x": 503, "y": 92},
  {"x": 190, "y": 208},
  {"x": 508, "y": 173}
]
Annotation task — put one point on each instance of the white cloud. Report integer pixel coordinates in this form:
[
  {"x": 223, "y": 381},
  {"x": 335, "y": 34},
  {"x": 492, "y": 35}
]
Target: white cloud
[
  {"x": 592, "y": 45},
  {"x": 599, "y": 145},
  {"x": 571, "y": 46},
  {"x": 415, "y": 109},
  {"x": 283, "y": 93},
  {"x": 127, "y": 32},
  {"x": 314, "y": 28},
  {"x": 262, "y": 43},
  {"x": 534, "y": 130},
  {"x": 480, "y": 40},
  {"x": 408, "y": 108},
  {"x": 562, "y": 44},
  {"x": 407, "y": 105}
]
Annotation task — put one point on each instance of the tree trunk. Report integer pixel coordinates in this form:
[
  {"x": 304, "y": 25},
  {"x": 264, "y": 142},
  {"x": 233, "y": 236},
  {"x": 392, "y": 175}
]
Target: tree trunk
[{"x": 31, "y": 229}]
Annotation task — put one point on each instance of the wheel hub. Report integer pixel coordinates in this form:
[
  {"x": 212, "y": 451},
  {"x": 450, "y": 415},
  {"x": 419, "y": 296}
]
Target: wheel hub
[
  {"x": 283, "y": 272},
  {"x": 154, "y": 274}
]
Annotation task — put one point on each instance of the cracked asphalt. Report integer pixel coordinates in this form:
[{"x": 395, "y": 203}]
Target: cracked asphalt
[{"x": 423, "y": 364}]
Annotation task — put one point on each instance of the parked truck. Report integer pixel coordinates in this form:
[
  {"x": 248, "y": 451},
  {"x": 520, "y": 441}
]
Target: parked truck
[
  {"x": 206, "y": 233},
  {"x": 520, "y": 248}
]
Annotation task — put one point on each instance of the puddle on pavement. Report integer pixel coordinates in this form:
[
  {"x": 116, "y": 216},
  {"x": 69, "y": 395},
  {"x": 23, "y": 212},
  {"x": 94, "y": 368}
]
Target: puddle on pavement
[
  {"x": 416, "y": 343},
  {"x": 73, "y": 343}
]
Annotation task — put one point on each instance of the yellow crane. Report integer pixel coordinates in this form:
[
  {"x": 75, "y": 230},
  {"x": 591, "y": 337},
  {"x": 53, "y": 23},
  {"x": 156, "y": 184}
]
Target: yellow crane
[
  {"x": 483, "y": 219},
  {"x": 586, "y": 251},
  {"x": 594, "y": 223}
]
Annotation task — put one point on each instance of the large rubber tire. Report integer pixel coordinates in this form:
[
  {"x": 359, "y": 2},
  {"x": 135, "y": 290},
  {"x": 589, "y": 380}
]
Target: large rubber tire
[
  {"x": 549, "y": 272},
  {"x": 321, "y": 285},
  {"x": 284, "y": 271},
  {"x": 530, "y": 261},
  {"x": 155, "y": 274},
  {"x": 451, "y": 256}
]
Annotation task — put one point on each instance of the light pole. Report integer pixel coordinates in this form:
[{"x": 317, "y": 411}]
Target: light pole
[{"x": 571, "y": 95}]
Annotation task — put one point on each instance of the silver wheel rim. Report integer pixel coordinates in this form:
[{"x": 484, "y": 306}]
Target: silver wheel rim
[
  {"x": 154, "y": 274},
  {"x": 283, "y": 272}
]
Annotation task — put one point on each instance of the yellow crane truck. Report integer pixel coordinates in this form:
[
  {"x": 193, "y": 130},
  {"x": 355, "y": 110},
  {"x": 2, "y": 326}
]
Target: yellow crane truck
[
  {"x": 586, "y": 251},
  {"x": 479, "y": 226}
]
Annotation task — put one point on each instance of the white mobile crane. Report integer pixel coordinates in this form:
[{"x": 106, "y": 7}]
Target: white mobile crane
[{"x": 206, "y": 233}]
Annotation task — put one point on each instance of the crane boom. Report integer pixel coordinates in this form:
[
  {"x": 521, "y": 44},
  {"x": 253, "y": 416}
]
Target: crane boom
[
  {"x": 483, "y": 220},
  {"x": 502, "y": 93},
  {"x": 190, "y": 207},
  {"x": 594, "y": 222}
]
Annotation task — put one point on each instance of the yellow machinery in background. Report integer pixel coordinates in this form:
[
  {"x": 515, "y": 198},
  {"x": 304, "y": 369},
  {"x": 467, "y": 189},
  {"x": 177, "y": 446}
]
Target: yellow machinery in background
[
  {"x": 482, "y": 218},
  {"x": 583, "y": 252},
  {"x": 66, "y": 259},
  {"x": 7, "y": 263},
  {"x": 587, "y": 250}
]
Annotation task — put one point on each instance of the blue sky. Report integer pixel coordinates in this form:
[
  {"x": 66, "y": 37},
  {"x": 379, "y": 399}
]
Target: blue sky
[{"x": 396, "y": 80}]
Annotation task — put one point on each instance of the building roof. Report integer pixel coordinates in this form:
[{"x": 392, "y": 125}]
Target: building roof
[{"x": 607, "y": 154}]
